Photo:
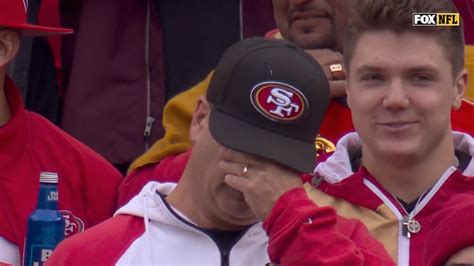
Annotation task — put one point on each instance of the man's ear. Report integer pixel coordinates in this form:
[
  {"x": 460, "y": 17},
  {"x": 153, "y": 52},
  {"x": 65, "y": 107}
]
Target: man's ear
[
  {"x": 9, "y": 46},
  {"x": 348, "y": 94},
  {"x": 200, "y": 118},
  {"x": 460, "y": 84}
]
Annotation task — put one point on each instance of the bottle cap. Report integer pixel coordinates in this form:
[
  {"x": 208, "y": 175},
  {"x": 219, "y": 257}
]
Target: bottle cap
[{"x": 49, "y": 177}]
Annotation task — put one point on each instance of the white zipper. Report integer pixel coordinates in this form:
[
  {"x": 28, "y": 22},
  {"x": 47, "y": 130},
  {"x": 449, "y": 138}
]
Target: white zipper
[{"x": 403, "y": 256}]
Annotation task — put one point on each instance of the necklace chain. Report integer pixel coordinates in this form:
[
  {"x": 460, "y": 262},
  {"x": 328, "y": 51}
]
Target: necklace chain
[{"x": 409, "y": 224}]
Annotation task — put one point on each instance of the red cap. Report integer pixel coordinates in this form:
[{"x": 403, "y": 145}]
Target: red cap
[
  {"x": 13, "y": 15},
  {"x": 451, "y": 230}
]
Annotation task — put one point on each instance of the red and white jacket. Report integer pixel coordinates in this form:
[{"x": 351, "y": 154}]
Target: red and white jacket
[
  {"x": 360, "y": 196},
  {"x": 148, "y": 231}
]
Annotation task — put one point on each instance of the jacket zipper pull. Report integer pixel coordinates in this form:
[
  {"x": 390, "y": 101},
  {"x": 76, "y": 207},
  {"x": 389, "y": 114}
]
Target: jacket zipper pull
[
  {"x": 410, "y": 226},
  {"x": 149, "y": 123},
  {"x": 405, "y": 232}
]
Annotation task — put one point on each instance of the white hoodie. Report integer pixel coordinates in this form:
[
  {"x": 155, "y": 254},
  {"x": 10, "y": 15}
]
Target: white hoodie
[{"x": 170, "y": 239}]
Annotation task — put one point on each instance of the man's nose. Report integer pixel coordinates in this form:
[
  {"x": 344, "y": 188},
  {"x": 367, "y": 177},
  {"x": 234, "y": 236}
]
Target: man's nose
[{"x": 396, "y": 97}]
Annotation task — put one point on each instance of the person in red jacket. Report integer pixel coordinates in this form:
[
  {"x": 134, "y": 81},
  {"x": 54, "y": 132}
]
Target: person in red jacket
[
  {"x": 30, "y": 144},
  {"x": 398, "y": 171}
]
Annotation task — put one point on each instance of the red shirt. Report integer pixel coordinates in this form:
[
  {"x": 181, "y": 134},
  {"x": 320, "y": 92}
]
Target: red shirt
[{"x": 31, "y": 144}]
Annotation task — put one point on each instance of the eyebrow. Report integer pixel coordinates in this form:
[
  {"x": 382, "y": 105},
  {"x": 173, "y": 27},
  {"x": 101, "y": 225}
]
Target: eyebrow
[
  {"x": 423, "y": 69},
  {"x": 368, "y": 68},
  {"x": 371, "y": 68}
]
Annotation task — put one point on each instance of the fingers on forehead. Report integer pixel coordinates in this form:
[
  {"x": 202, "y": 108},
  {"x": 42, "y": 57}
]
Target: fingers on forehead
[
  {"x": 232, "y": 167},
  {"x": 238, "y": 157}
]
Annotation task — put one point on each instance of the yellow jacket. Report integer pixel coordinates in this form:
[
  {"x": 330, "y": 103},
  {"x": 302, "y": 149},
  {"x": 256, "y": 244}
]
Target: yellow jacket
[
  {"x": 469, "y": 63},
  {"x": 177, "y": 116}
]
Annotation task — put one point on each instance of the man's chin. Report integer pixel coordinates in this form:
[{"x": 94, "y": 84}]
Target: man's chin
[
  {"x": 400, "y": 154},
  {"x": 241, "y": 212},
  {"x": 312, "y": 40},
  {"x": 244, "y": 218}
]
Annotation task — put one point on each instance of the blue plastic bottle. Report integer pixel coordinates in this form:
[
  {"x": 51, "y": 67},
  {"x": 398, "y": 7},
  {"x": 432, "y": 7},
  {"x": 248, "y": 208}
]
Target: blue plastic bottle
[{"x": 45, "y": 225}]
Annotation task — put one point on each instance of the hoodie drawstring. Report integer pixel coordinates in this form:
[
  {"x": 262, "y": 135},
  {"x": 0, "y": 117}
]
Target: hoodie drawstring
[{"x": 146, "y": 221}]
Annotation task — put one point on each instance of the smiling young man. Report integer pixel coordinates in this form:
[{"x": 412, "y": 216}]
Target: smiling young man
[
  {"x": 403, "y": 93},
  {"x": 403, "y": 83},
  {"x": 405, "y": 162}
]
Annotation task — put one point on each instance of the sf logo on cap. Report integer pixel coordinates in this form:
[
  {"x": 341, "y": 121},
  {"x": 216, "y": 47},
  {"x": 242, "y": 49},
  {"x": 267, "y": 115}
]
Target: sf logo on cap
[{"x": 278, "y": 101}]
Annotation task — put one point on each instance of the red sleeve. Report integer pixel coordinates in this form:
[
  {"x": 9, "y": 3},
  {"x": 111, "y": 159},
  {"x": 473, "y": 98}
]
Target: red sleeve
[
  {"x": 102, "y": 244},
  {"x": 101, "y": 184},
  {"x": 169, "y": 169},
  {"x": 301, "y": 233}
]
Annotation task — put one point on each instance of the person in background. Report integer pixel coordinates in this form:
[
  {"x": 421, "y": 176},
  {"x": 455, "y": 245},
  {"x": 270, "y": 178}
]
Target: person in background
[
  {"x": 30, "y": 144},
  {"x": 166, "y": 46}
]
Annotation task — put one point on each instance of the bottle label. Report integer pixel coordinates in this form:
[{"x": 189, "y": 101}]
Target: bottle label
[
  {"x": 53, "y": 196},
  {"x": 40, "y": 254}
]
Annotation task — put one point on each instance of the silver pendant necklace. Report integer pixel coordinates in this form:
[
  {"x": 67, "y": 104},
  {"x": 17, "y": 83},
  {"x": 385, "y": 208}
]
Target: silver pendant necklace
[{"x": 409, "y": 224}]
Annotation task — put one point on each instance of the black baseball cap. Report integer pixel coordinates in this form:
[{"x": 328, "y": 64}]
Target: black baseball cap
[{"x": 269, "y": 98}]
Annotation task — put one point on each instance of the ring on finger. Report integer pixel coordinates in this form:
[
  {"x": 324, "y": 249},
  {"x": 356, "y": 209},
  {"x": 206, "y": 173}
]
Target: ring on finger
[
  {"x": 244, "y": 171},
  {"x": 336, "y": 71}
]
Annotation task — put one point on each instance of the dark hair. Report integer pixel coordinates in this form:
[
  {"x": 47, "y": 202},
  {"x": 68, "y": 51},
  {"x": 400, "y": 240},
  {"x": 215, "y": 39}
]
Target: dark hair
[{"x": 396, "y": 15}]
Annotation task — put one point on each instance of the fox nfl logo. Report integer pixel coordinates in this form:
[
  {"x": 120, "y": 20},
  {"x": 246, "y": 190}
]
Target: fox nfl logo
[{"x": 435, "y": 19}]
